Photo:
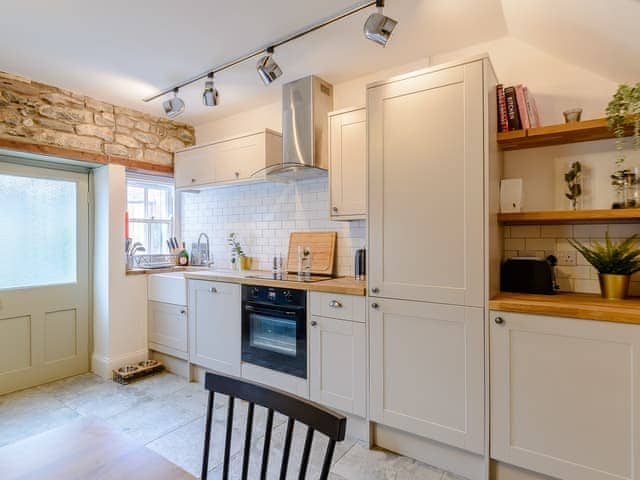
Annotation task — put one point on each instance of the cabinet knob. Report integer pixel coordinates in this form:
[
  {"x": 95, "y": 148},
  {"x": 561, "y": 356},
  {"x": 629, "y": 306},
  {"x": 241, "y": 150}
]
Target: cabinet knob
[
  {"x": 237, "y": 174},
  {"x": 335, "y": 304},
  {"x": 182, "y": 312},
  {"x": 499, "y": 320},
  {"x": 314, "y": 323},
  {"x": 335, "y": 209},
  {"x": 213, "y": 290},
  {"x": 193, "y": 180},
  {"x": 375, "y": 290},
  {"x": 375, "y": 305}
]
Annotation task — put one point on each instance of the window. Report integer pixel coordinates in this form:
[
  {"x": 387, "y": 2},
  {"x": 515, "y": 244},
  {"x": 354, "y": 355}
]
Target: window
[
  {"x": 150, "y": 210},
  {"x": 37, "y": 231}
]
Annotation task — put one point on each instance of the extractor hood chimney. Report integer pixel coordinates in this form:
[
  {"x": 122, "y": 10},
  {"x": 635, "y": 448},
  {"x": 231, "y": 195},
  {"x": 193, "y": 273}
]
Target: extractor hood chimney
[{"x": 305, "y": 105}]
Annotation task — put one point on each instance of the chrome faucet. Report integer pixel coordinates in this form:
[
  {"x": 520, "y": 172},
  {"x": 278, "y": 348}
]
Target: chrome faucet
[{"x": 204, "y": 258}]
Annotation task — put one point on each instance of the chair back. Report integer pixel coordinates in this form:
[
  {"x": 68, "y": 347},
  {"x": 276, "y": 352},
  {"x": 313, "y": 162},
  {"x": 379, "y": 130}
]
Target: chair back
[{"x": 316, "y": 417}]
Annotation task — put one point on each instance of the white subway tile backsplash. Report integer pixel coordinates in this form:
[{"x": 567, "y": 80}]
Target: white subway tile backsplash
[{"x": 263, "y": 215}]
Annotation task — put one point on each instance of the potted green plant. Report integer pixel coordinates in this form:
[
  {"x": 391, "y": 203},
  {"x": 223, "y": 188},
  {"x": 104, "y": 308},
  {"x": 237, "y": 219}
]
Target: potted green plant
[
  {"x": 623, "y": 113},
  {"x": 615, "y": 262},
  {"x": 237, "y": 254},
  {"x": 573, "y": 179}
]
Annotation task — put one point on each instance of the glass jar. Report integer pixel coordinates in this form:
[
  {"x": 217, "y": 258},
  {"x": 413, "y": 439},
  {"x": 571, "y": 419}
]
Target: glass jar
[{"x": 632, "y": 188}]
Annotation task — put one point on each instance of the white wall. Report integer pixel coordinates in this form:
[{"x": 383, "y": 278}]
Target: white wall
[{"x": 120, "y": 301}]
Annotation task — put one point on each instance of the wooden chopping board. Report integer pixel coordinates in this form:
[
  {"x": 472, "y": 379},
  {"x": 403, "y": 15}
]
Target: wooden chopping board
[{"x": 323, "y": 251}]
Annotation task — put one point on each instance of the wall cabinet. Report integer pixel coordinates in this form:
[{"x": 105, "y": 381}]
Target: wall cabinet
[
  {"x": 168, "y": 329},
  {"x": 565, "y": 396},
  {"x": 215, "y": 330},
  {"x": 348, "y": 164},
  {"x": 338, "y": 352},
  {"x": 426, "y": 186},
  {"x": 427, "y": 370},
  {"x": 230, "y": 160}
]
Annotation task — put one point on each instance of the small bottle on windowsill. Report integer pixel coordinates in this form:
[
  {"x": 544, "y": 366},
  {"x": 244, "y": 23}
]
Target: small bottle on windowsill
[{"x": 183, "y": 256}]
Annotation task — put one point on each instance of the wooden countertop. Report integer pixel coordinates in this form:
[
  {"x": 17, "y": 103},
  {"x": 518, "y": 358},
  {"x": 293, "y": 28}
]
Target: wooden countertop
[
  {"x": 342, "y": 285},
  {"x": 572, "y": 305}
]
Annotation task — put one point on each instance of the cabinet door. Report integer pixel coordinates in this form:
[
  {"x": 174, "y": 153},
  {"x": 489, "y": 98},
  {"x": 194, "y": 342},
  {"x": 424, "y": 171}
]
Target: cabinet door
[
  {"x": 194, "y": 167},
  {"x": 337, "y": 376},
  {"x": 215, "y": 325},
  {"x": 168, "y": 326},
  {"x": 348, "y": 164},
  {"x": 565, "y": 396},
  {"x": 427, "y": 370},
  {"x": 237, "y": 159},
  {"x": 426, "y": 169}
]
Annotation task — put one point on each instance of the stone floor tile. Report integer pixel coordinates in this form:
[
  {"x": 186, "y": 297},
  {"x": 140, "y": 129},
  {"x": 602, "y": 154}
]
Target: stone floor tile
[
  {"x": 106, "y": 399},
  {"x": 159, "y": 384},
  {"x": 27, "y": 400},
  {"x": 69, "y": 387},
  {"x": 148, "y": 421},
  {"x": 33, "y": 422},
  {"x": 194, "y": 397}
]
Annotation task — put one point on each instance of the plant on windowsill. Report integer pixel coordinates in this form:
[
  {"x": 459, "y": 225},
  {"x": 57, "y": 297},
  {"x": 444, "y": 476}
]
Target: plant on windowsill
[
  {"x": 615, "y": 262},
  {"x": 238, "y": 258}
]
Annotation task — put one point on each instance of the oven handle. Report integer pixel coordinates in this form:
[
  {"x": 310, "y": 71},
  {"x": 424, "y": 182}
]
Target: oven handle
[{"x": 249, "y": 308}]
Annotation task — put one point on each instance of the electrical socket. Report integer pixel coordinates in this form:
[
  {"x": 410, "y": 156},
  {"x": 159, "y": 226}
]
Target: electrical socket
[{"x": 567, "y": 259}]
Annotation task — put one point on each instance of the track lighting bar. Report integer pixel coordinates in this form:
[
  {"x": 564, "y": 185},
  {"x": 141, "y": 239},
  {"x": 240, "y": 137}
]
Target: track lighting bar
[{"x": 300, "y": 33}]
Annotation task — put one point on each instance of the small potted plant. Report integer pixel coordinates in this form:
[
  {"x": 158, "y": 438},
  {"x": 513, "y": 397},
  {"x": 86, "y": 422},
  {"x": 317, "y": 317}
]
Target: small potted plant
[
  {"x": 573, "y": 179},
  {"x": 615, "y": 262},
  {"x": 239, "y": 261}
]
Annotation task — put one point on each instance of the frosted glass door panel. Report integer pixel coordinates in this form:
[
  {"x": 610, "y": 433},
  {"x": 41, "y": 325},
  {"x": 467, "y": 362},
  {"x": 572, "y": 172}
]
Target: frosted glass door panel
[{"x": 38, "y": 233}]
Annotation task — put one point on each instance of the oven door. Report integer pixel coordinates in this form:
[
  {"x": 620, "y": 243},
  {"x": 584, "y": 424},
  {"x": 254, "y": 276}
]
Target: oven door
[{"x": 275, "y": 338}]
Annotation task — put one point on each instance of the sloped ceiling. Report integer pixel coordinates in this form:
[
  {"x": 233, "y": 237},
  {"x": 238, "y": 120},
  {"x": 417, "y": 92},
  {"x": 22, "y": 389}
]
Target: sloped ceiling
[{"x": 122, "y": 50}]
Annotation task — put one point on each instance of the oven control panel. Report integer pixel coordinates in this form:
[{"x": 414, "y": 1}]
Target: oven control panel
[{"x": 274, "y": 295}]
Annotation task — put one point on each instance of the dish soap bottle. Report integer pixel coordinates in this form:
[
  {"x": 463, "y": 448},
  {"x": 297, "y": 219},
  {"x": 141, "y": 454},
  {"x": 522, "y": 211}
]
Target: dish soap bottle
[{"x": 183, "y": 256}]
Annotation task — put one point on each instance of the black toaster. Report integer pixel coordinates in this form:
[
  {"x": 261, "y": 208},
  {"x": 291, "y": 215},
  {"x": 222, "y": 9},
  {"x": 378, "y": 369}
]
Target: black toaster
[{"x": 529, "y": 275}]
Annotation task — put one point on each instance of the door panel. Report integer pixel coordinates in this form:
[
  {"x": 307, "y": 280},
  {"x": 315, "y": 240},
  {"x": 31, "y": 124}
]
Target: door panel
[
  {"x": 565, "y": 396},
  {"x": 427, "y": 370},
  {"x": 426, "y": 187},
  {"x": 44, "y": 276}
]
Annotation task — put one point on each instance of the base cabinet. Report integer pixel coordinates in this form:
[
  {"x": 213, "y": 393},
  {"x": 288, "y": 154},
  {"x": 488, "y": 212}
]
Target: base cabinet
[
  {"x": 338, "y": 364},
  {"x": 168, "y": 329},
  {"x": 565, "y": 396},
  {"x": 427, "y": 370},
  {"x": 215, "y": 330}
]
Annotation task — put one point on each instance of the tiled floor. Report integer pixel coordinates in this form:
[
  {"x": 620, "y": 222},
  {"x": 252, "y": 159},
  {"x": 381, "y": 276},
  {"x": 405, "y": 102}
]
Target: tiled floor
[{"x": 166, "y": 413}]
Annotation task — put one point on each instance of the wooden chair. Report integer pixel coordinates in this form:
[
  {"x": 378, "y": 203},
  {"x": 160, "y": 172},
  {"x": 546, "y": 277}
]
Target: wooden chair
[{"x": 314, "y": 416}]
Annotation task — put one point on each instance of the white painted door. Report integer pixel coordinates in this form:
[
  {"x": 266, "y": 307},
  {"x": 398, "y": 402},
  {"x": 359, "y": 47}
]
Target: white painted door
[
  {"x": 426, "y": 187},
  {"x": 215, "y": 326},
  {"x": 338, "y": 369},
  {"x": 44, "y": 275},
  {"x": 427, "y": 370},
  {"x": 565, "y": 396},
  {"x": 348, "y": 164}
]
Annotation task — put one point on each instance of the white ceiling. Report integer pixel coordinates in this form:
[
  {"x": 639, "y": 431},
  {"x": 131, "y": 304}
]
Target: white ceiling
[{"x": 121, "y": 51}]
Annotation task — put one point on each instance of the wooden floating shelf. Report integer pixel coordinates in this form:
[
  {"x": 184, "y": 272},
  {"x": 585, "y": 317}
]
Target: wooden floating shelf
[
  {"x": 560, "y": 134},
  {"x": 624, "y": 215}
]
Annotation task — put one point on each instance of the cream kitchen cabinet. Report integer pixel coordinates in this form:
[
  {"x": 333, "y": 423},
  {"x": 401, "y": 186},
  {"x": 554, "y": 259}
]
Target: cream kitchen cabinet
[
  {"x": 225, "y": 161},
  {"x": 565, "y": 396},
  {"x": 426, "y": 185},
  {"x": 427, "y": 370},
  {"x": 215, "y": 332},
  {"x": 168, "y": 329},
  {"x": 338, "y": 352},
  {"x": 348, "y": 164}
]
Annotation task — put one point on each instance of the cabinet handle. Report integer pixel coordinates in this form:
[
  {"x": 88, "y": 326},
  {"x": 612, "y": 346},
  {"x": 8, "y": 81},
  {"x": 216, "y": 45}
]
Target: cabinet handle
[
  {"x": 375, "y": 290},
  {"x": 182, "y": 312},
  {"x": 193, "y": 180},
  {"x": 314, "y": 323},
  {"x": 213, "y": 290},
  {"x": 499, "y": 320},
  {"x": 335, "y": 304},
  {"x": 335, "y": 209},
  {"x": 375, "y": 305},
  {"x": 237, "y": 174}
]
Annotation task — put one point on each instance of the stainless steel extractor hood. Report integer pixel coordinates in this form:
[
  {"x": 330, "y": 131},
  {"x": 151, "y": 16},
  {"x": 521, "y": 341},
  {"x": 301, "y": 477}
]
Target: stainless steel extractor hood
[{"x": 305, "y": 105}]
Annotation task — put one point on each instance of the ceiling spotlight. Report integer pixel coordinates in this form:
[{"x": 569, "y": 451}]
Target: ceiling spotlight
[
  {"x": 174, "y": 106},
  {"x": 378, "y": 27},
  {"x": 210, "y": 96},
  {"x": 268, "y": 69}
]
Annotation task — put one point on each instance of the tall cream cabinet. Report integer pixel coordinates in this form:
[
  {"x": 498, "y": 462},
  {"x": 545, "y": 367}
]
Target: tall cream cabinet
[
  {"x": 231, "y": 160},
  {"x": 427, "y": 156},
  {"x": 348, "y": 164}
]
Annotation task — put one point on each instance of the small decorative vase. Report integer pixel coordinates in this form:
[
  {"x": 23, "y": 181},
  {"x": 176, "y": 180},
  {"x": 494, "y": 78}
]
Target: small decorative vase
[
  {"x": 245, "y": 263},
  {"x": 614, "y": 287}
]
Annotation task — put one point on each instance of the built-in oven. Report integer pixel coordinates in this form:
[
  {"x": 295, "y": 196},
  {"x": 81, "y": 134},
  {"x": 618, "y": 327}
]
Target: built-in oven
[{"x": 274, "y": 329}]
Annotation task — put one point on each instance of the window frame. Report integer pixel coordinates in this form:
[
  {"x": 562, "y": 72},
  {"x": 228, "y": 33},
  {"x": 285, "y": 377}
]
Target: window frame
[{"x": 147, "y": 182}]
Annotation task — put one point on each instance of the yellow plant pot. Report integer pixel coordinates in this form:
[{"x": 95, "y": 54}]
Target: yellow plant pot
[
  {"x": 245, "y": 263},
  {"x": 614, "y": 287}
]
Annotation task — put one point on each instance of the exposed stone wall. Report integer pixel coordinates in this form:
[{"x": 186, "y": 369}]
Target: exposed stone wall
[{"x": 38, "y": 113}]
